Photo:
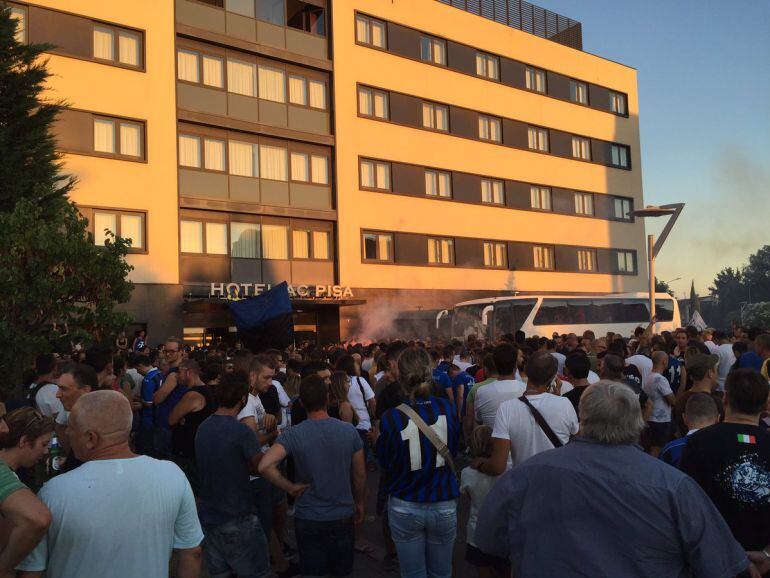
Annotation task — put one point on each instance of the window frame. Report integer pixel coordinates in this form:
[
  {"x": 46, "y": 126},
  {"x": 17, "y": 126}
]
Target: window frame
[
  {"x": 494, "y": 245},
  {"x": 309, "y": 230},
  {"x": 118, "y": 122},
  {"x": 439, "y": 252},
  {"x": 583, "y": 143},
  {"x": 574, "y": 89},
  {"x": 626, "y": 152},
  {"x": 437, "y": 178},
  {"x": 199, "y": 56},
  {"x": 492, "y": 182},
  {"x": 310, "y": 172},
  {"x": 487, "y": 58},
  {"x": 535, "y": 73},
  {"x": 118, "y": 212},
  {"x": 369, "y": 20},
  {"x": 623, "y": 201},
  {"x": 551, "y": 253},
  {"x": 372, "y": 92},
  {"x": 374, "y": 163},
  {"x": 615, "y": 97},
  {"x": 391, "y": 258},
  {"x": 586, "y": 256},
  {"x": 434, "y": 106},
  {"x": 202, "y": 138},
  {"x": 116, "y": 30},
  {"x": 585, "y": 197},
  {"x": 541, "y": 190},
  {"x": 539, "y": 131},
  {"x": 434, "y": 41},
  {"x": 489, "y": 120},
  {"x": 628, "y": 255}
]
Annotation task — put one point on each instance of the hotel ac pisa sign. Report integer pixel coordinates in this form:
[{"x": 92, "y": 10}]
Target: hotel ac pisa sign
[{"x": 243, "y": 290}]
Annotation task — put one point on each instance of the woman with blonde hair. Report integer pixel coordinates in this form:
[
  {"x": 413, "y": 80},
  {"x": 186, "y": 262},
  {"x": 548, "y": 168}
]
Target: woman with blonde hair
[
  {"x": 339, "y": 406},
  {"x": 420, "y": 480}
]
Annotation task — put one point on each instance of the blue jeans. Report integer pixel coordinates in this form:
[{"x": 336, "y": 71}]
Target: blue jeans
[
  {"x": 236, "y": 547},
  {"x": 325, "y": 547},
  {"x": 424, "y": 534}
]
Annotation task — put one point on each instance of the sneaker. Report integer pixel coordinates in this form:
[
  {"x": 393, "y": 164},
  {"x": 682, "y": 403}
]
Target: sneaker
[
  {"x": 292, "y": 570},
  {"x": 390, "y": 563},
  {"x": 288, "y": 552}
]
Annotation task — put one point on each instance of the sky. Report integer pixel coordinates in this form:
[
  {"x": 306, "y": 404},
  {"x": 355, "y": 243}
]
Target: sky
[{"x": 704, "y": 100}]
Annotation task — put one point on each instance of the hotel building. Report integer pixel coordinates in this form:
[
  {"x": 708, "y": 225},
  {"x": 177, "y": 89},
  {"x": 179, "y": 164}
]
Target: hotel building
[{"x": 386, "y": 158}]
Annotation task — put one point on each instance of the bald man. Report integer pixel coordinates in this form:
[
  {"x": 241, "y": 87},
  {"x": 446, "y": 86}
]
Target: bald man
[{"x": 119, "y": 514}]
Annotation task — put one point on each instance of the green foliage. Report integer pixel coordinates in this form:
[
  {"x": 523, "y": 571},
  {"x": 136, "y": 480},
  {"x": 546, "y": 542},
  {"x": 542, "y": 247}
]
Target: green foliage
[
  {"x": 694, "y": 301},
  {"x": 663, "y": 287},
  {"x": 757, "y": 315},
  {"x": 736, "y": 287}
]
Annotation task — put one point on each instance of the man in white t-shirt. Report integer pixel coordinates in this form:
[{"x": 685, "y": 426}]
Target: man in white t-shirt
[
  {"x": 642, "y": 363},
  {"x": 724, "y": 351},
  {"x": 489, "y": 398},
  {"x": 559, "y": 357},
  {"x": 516, "y": 432},
  {"x": 115, "y": 497},
  {"x": 46, "y": 385},
  {"x": 659, "y": 392}
]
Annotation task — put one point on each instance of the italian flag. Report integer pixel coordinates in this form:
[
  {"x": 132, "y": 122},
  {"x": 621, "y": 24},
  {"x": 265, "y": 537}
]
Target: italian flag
[{"x": 746, "y": 439}]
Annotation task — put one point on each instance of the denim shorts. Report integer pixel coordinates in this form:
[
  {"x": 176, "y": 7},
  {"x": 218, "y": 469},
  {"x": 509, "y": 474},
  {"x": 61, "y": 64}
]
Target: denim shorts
[
  {"x": 236, "y": 547},
  {"x": 325, "y": 548}
]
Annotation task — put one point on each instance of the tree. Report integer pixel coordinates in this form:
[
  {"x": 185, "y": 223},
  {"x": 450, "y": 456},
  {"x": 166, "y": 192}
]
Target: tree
[
  {"x": 663, "y": 287},
  {"x": 694, "y": 301},
  {"x": 55, "y": 283},
  {"x": 756, "y": 276},
  {"x": 756, "y": 315}
]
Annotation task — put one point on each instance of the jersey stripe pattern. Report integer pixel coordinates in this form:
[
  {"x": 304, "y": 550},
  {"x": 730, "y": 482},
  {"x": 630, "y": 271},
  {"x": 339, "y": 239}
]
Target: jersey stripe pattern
[{"x": 408, "y": 457}]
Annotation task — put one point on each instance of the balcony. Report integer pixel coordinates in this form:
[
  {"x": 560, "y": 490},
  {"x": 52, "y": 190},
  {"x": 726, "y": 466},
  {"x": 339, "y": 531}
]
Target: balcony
[{"x": 526, "y": 17}]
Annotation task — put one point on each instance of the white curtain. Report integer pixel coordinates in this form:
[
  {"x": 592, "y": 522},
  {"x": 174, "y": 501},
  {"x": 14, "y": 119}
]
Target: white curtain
[
  {"x": 380, "y": 105},
  {"x": 299, "y": 167},
  {"x": 104, "y": 221},
  {"x": 317, "y": 94},
  {"x": 187, "y": 65},
  {"x": 383, "y": 176},
  {"x": 104, "y": 135},
  {"x": 300, "y": 244},
  {"x": 212, "y": 71},
  {"x": 131, "y": 227},
  {"x": 431, "y": 185},
  {"x": 501, "y": 256},
  {"x": 216, "y": 238},
  {"x": 104, "y": 43},
  {"x": 489, "y": 257},
  {"x": 494, "y": 129},
  {"x": 244, "y": 240},
  {"x": 241, "y": 77},
  {"x": 444, "y": 185},
  {"x": 320, "y": 169},
  {"x": 367, "y": 174},
  {"x": 272, "y": 163},
  {"x": 378, "y": 33},
  {"x": 191, "y": 236},
  {"x": 297, "y": 90},
  {"x": 384, "y": 243},
  {"x": 447, "y": 254},
  {"x": 442, "y": 121},
  {"x": 130, "y": 139},
  {"x": 128, "y": 48},
  {"x": 189, "y": 151},
  {"x": 427, "y": 115},
  {"x": 365, "y": 101},
  {"x": 243, "y": 159},
  {"x": 433, "y": 251},
  {"x": 320, "y": 245},
  {"x": 272, "y": 85},
  {"x": 275, "y": 242},
  {"x": 214, "y": 157},
  {"x": 362, "y": 29}
]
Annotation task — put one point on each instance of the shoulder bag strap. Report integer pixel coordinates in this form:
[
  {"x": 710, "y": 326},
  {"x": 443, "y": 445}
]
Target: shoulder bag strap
[
  {"x": 554, "y": 439},
  {"x": 363, "y": 397},
  {"x": 426, "y": 430}
]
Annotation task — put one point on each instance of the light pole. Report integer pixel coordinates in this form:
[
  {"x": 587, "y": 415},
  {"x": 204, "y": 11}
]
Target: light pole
[{"x": 653, "y": 247}]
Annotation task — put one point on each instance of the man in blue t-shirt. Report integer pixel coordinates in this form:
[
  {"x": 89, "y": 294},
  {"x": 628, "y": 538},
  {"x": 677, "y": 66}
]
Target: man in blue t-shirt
[
  {"x": 461, "y": 387},
  {"x": 226, "y": 452},
  {"x": 700, "y": 411}
]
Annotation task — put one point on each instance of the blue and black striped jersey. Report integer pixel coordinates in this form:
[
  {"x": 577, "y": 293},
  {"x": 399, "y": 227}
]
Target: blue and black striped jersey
[{"x": 415, "y": 470}]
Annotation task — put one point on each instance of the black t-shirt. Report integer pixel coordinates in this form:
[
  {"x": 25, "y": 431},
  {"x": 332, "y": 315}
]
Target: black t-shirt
[
  {"x": 574, "y": 396},
  {"x": 731, "y": 462},
  {"x": 270, "y": 401},
  {"x": 633, "y": 377},
  {"x": 390, "y": 397}
]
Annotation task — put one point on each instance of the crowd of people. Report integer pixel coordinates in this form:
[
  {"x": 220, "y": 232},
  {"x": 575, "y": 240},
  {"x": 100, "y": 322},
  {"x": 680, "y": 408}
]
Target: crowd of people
[{"x": 643, "y": 455}]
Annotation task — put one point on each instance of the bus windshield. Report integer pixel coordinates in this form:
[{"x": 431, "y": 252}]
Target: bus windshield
[
  {"x": 511, "y": 314},
  {"x": 467, "y": 321}
]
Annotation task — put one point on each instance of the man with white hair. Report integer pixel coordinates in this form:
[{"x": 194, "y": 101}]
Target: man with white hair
[
  {"x": 119, "y": 514},
  {"x": 600, "y": 485}
]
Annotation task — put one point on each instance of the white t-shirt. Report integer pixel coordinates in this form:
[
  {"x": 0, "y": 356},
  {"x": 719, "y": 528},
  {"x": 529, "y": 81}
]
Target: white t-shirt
[
  {"x": 657, "y": 387},
  {"x": 489, "y": 398},
  {"x": 726, "y": 360},
  {"x": 359, "y": 403},
  {"x": 116, "y": 518},
  {"x": 514, "y": 422},
  {"x": 63, "y": 417},
  {"x": 642, "y": 363},
  {"x": 477, "y": 485},
  {"x": 592, "y": 377},
  {"x": 255, "y": 409},
  {"x": 560, "y": 359},
  {"x": 47, "y": 402},
  {"x": 463, "y": 365},
  {"x": 284, "y": 400},
  {"x": 137, "y": 379},
  {"x": 711, "y": 346}
]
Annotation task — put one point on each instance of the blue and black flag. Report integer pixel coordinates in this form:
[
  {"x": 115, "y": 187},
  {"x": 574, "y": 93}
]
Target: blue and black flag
[{"x": 265, "y": 322}]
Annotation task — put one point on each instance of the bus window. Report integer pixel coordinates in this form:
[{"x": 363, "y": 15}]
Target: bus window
[
  {"x": 580, "y": 311},
  {"x": 664, "y": 309},
  {"x": 635, "y": 311},
  {"x": 552, "y": 312},
  {"x": 510, "y": 315},
  {"x": 606, "y": 311},
  {"x": 467, "y": 321}
]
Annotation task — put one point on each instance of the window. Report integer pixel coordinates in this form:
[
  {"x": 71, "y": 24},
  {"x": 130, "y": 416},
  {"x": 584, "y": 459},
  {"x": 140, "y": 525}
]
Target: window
[
  {"x": 578, "y": 92},
  {"x": 626, "y": 262},
  {"x": 373, "y": 103},
  {"x": 620, "y": 156},
  {"x": 621, "y": 209},
  {"x": 378, "y": 246},
  {"x": 309, "y": 168},
  {"x": 214, "y": 154},
  {"x": 300, "y": 167},
  {"x": 492, "y": 192},
  {"x": 20, "y": 16},
  {"x": 305, "y": 16},
  {"x": 319, "y": 173},
  {"x": 537, "y": 138},
  {"x": 438, "y": 184},
  {"x": 433, "y": 50},
  {"x": 191, "y": 236},
  {"x": 540, "y": 197},
  {"x": 581, "y": 148},
  {"x": 495, "y": 255},
  {"x": 117, "y": 45},
  {"x": 584, "y": 204},
  {"x": 300, "y": 244},
  {"x": 535, "y": 79},
  {"x": 543, "y": 257},
  {"x": 216, "y": 238},
  {"x": 245, "y": 240},
  {"x": 435, "y": 116},
  {"x": 189, "y": 151},
  {"x": 275, "y": 242},
  {"x": 489, "y": 128},
  {"x": 244, "y": 158},
  {"x": 441, "y": 251},
  {"x": 273, "y": 163},
  {"x": 241, "y": 77},
  {"x": 187, "y": 65},
  {"x": 618, "y": 103},
  {"x": 297, "y": 90},
  {"x": 119, "y": 137},
  {"x": 320, "y": 245},
  {"x": 213, "y": 71},
  {"x": 272, "y": 84},
  {"x": 129, "y": 226},
  {"x": 586, "y": 260},
  {"x": 487, "y": 66},
  {"x": 370, "y": 31},
  {"x": 271, "y": 11},
  {"x": 375, "y": 175},
  {"x": 317, "y": 94},
  {"x": 190, "y": 64}
]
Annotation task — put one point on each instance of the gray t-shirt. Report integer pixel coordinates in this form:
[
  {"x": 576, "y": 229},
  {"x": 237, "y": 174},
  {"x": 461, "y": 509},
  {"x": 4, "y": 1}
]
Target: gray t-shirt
[{"x": 322, "y": 450}]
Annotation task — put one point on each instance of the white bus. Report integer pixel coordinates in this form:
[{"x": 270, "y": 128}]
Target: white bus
[{"x": 543, "y": 315}]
